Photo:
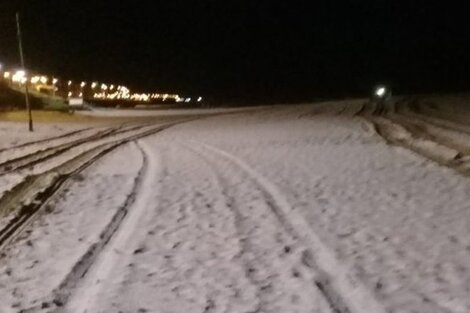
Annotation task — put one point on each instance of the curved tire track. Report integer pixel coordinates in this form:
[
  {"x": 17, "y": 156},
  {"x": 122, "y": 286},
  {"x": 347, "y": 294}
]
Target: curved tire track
[
  {"x": 32, "y": 143},
  {"x": 31, "y": 196},
  {"x": 344, "y": 292}
]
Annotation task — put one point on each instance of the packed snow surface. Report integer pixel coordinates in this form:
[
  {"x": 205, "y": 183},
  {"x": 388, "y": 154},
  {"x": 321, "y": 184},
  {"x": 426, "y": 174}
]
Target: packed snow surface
[
  {"x": 160, "y": 112},
  {"x": 284, "y": 210},
  {"x": 13, "y": 133}
]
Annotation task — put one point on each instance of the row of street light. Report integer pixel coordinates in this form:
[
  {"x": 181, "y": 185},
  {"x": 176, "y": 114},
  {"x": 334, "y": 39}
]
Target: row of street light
[
  {"x": 96, "y": 90},
  {"x": 42, "y": 82}
]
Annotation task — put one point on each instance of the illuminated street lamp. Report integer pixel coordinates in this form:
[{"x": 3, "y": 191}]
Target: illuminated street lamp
[
  {"x": 18, "y": 76},
  {"x": 54, "y": 82},
  {"x": 82, "y": 85},
  {"x": 93, "y": 85}
]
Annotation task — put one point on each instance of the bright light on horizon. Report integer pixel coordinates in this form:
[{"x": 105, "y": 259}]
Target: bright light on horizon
[
  {"x": 380, "y": 91},
  {"x": 19, "y": 77}
]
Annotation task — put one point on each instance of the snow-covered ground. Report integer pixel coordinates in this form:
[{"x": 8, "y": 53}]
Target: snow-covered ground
[
  {"x": 13, "y": 133},
  {"x": 286, "y": 210},
  {"x": 159, "y": 112}
]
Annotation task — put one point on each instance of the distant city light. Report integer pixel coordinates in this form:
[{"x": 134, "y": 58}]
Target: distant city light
[
  {"x": 199, "y": 99},
  {"x": 108, "y": 91},
  {"x": 19, "y": 77}
]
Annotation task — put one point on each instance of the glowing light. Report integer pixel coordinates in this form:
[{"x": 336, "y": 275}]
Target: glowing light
[
  {"x": 111, "y": 87},
  {"x": 55, "y": 81},
  {"x": 43, "y": 79},
  {"x": 81, "y": 95},
  {"x": 187, "y": 100},
  {"x": 35, "y": 79},
  {"x": 83, "y": 84},
  {"x": 199, "y": 99},
  {"x": 6, "y": 75},
  {"x": 381, "y": 91},
  {"x": 93, "y": 85},
  {"x": 104, "y": 87},
  {"x": 69, "y": 83},
  {"x": 70, "y": 94},
  {"x": 19, "y": 77}
]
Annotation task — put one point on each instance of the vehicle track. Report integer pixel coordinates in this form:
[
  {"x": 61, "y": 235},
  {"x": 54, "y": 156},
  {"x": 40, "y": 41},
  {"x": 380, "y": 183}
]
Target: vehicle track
[
  {"x": 409, "y": 107},
  {"x": 123, "y": 215},
  {"x": 30, "y": 196},
  {"x": 68, "y": 285},
  {"x": 39, "y": 156},
  {"x": 441, "y": 140},
  {"x": 35, "y": 142},
  {"x": 410, "y": 135},
  {"x": 344, "y": 292}
]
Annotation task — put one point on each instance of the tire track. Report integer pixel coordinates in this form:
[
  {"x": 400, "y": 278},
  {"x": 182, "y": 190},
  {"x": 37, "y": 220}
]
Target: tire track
[
  {"x": 31, "y": 196},
  {"x": 244, "y": 246},
  {"x": 407, "y": 135},
  {"x": 65, "y": 290},
  {"x": 32, "y": 143},
  {"x": 39, "y": 156},
  {"x": 339, "y": 286},
  {"x": 100, "y": 254}
]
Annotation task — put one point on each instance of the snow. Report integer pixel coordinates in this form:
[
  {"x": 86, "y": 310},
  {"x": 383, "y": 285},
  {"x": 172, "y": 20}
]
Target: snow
[
  {"x": 13, "y": 133},
  {"x": 38, "y": 263},
  {"x": 285, "y": 210},
  {"x": 166, "y": 112},
  {"x": 17, "y": 152}
]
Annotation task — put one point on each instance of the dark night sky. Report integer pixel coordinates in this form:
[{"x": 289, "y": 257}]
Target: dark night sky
[{"x": 268, "y": 51}]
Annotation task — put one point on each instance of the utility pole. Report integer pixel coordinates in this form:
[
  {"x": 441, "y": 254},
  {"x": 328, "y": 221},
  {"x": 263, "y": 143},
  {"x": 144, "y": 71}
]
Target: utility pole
[{"x": 20, "y": 45}]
